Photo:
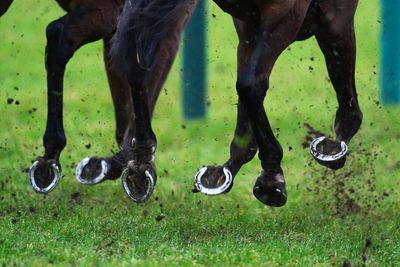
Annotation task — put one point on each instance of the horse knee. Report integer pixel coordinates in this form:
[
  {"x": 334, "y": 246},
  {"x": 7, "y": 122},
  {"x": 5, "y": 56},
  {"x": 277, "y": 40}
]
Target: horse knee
[
  {"x": 54, "y": 31},
  {"x": 250, "y": 91},
  {"x": 58, "y": 49}
]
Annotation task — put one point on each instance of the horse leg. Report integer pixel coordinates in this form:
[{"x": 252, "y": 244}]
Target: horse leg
[
  {"x": 4, "y": 5},
  {"x": 121, "y": 96},
  {"x": 64, "y": 37},
  {"x": 139, "y": 178},
  {"x": 337, "y": 42},
  {"x": 94, "y": 170},
  {"x": 280, "y": 23},
  {"x": 214, "y": 180}
]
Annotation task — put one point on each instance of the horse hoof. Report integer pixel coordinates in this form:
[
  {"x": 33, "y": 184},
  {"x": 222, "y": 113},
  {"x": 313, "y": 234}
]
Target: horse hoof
[
  {"x": 271, "y": 192},
  {"x": 216, "y": 186},
  {"x": 91, "y": 171},
  {"x": 137, "y": 192},
  {"x": 329, "y": 153},
  {"x": 44, "y": 176}
]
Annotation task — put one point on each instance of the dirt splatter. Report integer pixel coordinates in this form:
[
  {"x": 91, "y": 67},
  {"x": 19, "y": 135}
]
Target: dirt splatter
[
  {"x": 76, "y": 198},
  {"x": 195, "y": 190},
  {"x": 32, "y": 210},
  {"x": 351, "y": 189},
  {"x": 159, "y": 218},
  {"x": 367, "y": 245},
  {"x": 346, "y": 263},
  {"x": 311, "y": 135},
  {"x": 10, "y": 100}
]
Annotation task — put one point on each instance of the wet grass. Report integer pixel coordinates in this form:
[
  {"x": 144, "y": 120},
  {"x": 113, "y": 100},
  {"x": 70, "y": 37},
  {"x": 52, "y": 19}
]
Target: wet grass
[{"x": 330, "y": 215}]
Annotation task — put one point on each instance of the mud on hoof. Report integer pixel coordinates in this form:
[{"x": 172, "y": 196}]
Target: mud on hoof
[
  {"x": 329, "y": 153},
  {"x": 271, "y": 190},
  {"x": 44, "y": 175},
  {"x": 138, "y": 181},
  {"x": 213, "y": 181},
  {"x": 91, "y": 171}
]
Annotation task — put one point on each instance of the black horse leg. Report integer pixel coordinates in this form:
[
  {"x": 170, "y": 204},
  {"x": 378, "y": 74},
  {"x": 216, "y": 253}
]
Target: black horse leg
[
  {"x": 4, "y": 5},
  {"x": 121, "y": 96},
  {"x": 64, "y": 37},
  {"x": 338, "y": 46},
  {"x": 146, "y": 72},
  {"x": 214, "y": 180},
  {"x": 139, "y": 178},
  {"x": 94, "y": 170},
  {"x": 277, "y": 30}
]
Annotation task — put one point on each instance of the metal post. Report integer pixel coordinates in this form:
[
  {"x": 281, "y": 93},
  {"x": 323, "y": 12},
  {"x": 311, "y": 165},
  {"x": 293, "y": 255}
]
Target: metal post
[
  {"x": 194, "y": 65},
  {"x": 390, "y": 52}
]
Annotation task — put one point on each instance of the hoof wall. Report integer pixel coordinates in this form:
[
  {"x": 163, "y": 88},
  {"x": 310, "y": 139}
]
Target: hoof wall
[{"x": 271, "y": 192}]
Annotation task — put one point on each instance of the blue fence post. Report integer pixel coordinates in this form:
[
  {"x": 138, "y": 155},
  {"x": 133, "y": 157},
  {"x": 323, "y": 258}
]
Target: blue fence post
[
  {"x": 390, "y": 52},
  {"x": 194, "y": 65}
]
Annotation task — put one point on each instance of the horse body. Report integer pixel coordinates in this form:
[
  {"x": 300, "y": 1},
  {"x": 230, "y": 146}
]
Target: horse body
[{"x": 265, "y": 29}]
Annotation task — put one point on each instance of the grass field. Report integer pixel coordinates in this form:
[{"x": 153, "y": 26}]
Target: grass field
[{"x": 329, "y": 217}]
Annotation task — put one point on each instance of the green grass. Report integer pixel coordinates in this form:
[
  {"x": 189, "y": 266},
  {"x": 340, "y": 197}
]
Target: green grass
[{"x": 78, "y": 225}]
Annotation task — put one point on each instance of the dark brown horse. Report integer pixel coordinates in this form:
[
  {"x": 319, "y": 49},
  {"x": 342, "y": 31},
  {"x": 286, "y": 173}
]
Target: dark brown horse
[
  {"x": 88, "y": 21},
  {"x": 265, "y": 29}
]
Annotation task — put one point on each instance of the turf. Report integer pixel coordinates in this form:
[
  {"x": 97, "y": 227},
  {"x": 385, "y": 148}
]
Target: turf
[{"x": 331, "y": 218}]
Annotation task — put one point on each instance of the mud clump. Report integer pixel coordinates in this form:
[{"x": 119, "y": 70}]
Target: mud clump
[
  {"x": 346, "y": 263},
  {"x": 214, "y": 177},
  {"x": 367, "y": 245},
  {"x": 32, "y": 210},
  {"x": 329, "y": 147},
  {"x": 159, "y": 218},
  {"x": 76, "y": 198}
]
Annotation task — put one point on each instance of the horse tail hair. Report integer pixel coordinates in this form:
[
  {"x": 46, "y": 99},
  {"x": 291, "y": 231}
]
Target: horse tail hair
[
  {"x": 142, "y": 25},
  {"x": 4, "y": 5}
]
